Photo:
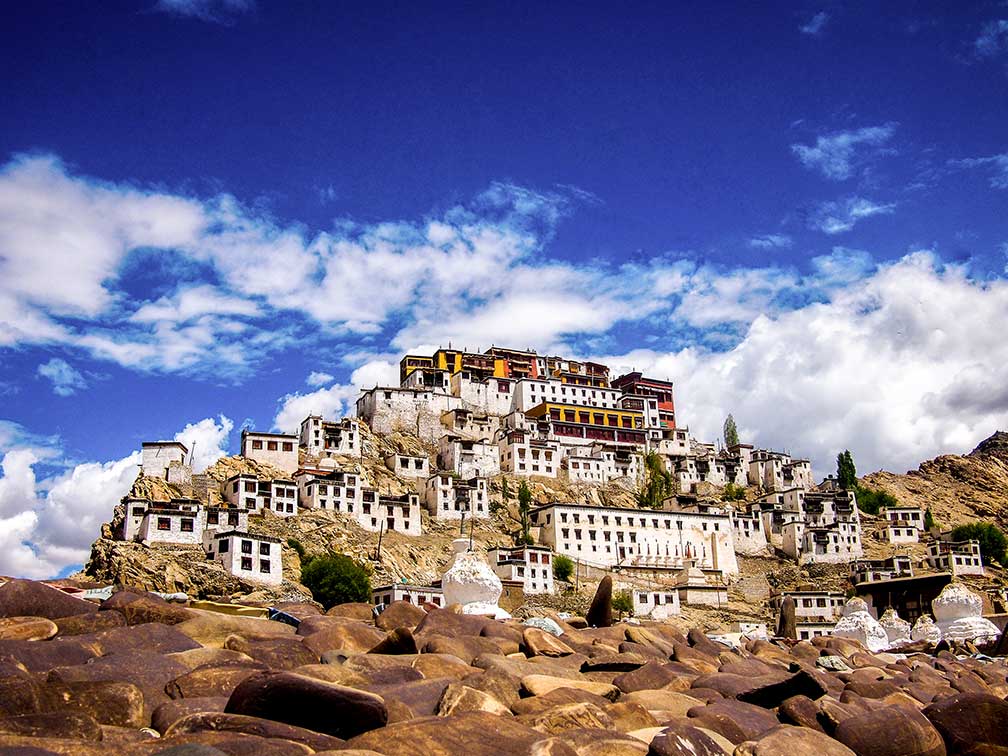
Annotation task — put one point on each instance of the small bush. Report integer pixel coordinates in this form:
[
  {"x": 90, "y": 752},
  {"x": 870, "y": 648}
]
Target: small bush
[
  {"x": 733, "y": 493},
  {"x": 929, "y": 522},
  {"x": 622, "y": 602},
  {"x": 295, "y": 545},
  {"x": 563, "y": 567},
  {"x": 336, "y": 579},
  {"x": 991, "y": 539},
  {"x": 871, "y": 500}
]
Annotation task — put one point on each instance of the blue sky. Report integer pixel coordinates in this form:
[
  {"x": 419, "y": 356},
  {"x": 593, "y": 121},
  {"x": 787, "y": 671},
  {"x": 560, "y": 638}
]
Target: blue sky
[{"x": 224, "y": 213}]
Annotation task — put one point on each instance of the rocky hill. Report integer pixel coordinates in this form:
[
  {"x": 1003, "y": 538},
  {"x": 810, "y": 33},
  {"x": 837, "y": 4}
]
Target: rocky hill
[{"x": 957, "y": 489}]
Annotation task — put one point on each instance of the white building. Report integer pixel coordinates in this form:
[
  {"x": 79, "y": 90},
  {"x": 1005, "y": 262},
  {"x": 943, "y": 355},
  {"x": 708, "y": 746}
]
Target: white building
[
  {"x": 398, "y": 513},
  {"x": 244, "y": 491},
  {"x": 875, "y": 570},
  {"x": 336, "y": 490},
  {"x": 226, "y": 518},
  {"x": 836, "y": 543},
  {"x": 747, "y": 529},
  {"x": 903, "y": 524},
  {"x": 657, "y": 604},
  {"x": 957, "y": 557},
  {"x": 816, "y": 612},
  {"x": 388, "y": 410},
  {"x": 165, "y": 460},
  {"x": 468, "y": 458},
  {"x": 384, "y": 595},
  {"x": 521, "y": 454},
  {"x": 471, "y": 424},
  {"x": 610, "y": 536},
  {"x": 532, "y": 566},
  {"x": 277, "y": 449},
  {"x": 492, "y": 395},
  {"x": 180, "y": 521},
  {"x": 450, "y": 497},
  {"x": 408, "y": 465},
  {"x": 251, "y": 557},
  {"x": 323, "y": 438},
  {"x": 531, "y": 392},
  {"x": 602, "y": 463}
]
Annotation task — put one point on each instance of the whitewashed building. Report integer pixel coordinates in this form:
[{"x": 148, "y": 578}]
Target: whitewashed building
[
  {"x": 876, "y": 570},
  {"x": 903, "y": 524},
  {"x": 392, "y": 409},
  {"x": 957, "y": 557},
  {"x": 245, "y": 491},
  {"x": 165, "y": 460},
  {"x": 450, "y": 497},
  {"x": 816, "y": 612},
  {"x": 468, "y": 458},
  {"x": 277, "y": 449},
  {"x": 408, "y": 465},
  {"x": 610, "y": 536},
  {"x": 324, "y": 438},
  {"x": 747, "y": 528},
  {"x": 491, "y": 395},
  {"x": 521, "y": 454},
  {"x": 657, "y": 604},
  {"x": 226, "y": 518},
  {"x": 602, "y": 463},
  {"x": 384, "y": 595},
  {"x": 398, "y": 513},
  {"x": 335, "y": 490},
  {"x": 470, "y": 424},
  {"x": 532, "y": 566},
  {"x": 251, "y": 557},
  {"x": 179, "y": 521}
]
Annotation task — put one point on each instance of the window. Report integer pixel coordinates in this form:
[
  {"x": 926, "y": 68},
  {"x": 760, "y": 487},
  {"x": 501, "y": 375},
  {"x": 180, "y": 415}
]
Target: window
[
  {"x": 264, "y": 565},
  {"x": 264, "y": 549},
  {"x": 246, "y": 548},
  {"x": 223, "y": 547},
  {"x": 212, "y": 518},
  {"x": 163, "y": 523},
  {"x": 187, "y": 525},
  {"x": 271, "y": 446},
  {"x": 246, "y": 564},
  {"x": 232, "y": 518},
  {"x": 138, "y": 511},
  {"x": 288, "y": 446},
  {"x": 257, "y": 445}
]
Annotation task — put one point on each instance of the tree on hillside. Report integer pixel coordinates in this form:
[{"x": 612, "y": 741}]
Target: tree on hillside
[
  {"x": 845, "y": 472},
  {"x": 872, "y": 500},
  {"x": 991, "y": 539},
  {"x": 733, "y": 493},
  {"x": 524, "y": 505},
  {"x": 336, "y": 579},
  {"x": 657, "y": 484},
  {"x": 929, "y": 522},
  {"x": 730, "y": 431},
  {"x": 622, "y": 602},
  {"x": 563, "y": 567}
]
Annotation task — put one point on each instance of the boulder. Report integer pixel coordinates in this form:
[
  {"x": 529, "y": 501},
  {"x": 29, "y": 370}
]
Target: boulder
[
  {"x": 150, "y": 638},
  {"x": 568, "y": 717},
  {"x": 214, "y": 680},
  {"x": 537, "y": 685},
  {"x": 970, "y": 720},
  {"x": 198, "y": 657},
  {"x": 685, "y": 740},
  {"x": 398, "y": 641},
  {"x": 801, "y": 711},
  {"x": 556, "y": 697},
  {"x": 594, "y": 741},
  {"x": 441, "y": 665},
  {"x": 600, "y": 611},
  {"x": 83, "y": 624},
  {"x": 771, "y": 694},
  {"x": 450, "y": 624},
  {"x": 41, "y": 657},
  {"x": 421, "y": 697},
  {"x": 652, "y": 676},
  {"x": 61, "y": 724},
  {"x": 793, "y": 741},
  {"x": 30, "y": 598},
  {"x": 168, "y": 713},
  {"x": 276, "y": 653},
  {"x": 890, "y": 731},
  {"x": 540, "y": 643},
  {"x": 139, "y": 608},
  {"x": 458, "y": 698},
  {"x": 663, "y": 704},
  {"x": 109, "y": 702},
  {"x": 501, "y": 685},
  {"x": 787, "y": 626},
  {"x": 309, "y": 703},
  {"x": 27, "y": 628},
  {"x": 263, "y": 728},
  {"x": 735, "y": 720},
  {"x": 213, "y": 628},
  {"x": 352, "y": 637},
  {"x": 360, "y": 611},
  {"x": 400, "y": 614},
  {"x": 628, "y": 716}
]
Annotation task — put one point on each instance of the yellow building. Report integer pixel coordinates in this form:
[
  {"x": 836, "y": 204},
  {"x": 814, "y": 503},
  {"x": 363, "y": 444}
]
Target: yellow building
[{"x": 572, "y": 413}]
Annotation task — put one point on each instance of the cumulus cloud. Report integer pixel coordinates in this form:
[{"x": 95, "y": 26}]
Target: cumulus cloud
[
  {"x": 316, "y": 378},
  {"x": 836, "y": 155},
  {"x": 65, "y": 380},
  {"x": 771, "y": 241},
  {"x": 206, "y": 440},
  {"x": 899, "y": 367},
  {"x": 841, "y": 216},
  {"x": 331, "y": 403},
  {"x": 815, "y": 25}
]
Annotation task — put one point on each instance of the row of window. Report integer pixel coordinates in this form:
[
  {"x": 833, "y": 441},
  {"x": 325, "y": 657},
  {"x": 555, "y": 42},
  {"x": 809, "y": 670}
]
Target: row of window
[{"x": 287, "y": 446}]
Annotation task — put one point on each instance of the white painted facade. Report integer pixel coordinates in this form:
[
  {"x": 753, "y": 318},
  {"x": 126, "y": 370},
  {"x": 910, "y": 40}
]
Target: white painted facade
[
  {"x": 226, "y": 518},
  {"x": 392, "y": 409},
  {"x": 181, "y": 521},
  {"x": 398, "y": 513},
  {"x": 532, "y": 566},
  {"x": 413, "y": 594},
  {"x": 747, "y": 530},
  {"x": 470, "y": 424},
  {"x": 531, "y": 392},
  {"x": 656, "y": 604},
  {"x": 468, "y": 458},
  {"x": 250, "y": 557},
  {"x": 903, "y": 524},
  {"x": 957, "y": 557},
  {"x": 408, "y": 465},
  {"x": 491, "y": 395},
  {"x": 323, "y": 438},
  {"x": 610, "y": 536},
  {"x": 335, "y": 490},
  {"x": 277, "y": 449},
  {"x": 520, "y": 454},
  {"x": 449, "y": 497},
  {"x": 157, "y": 456},
  {"x": 280, "y": 496}
]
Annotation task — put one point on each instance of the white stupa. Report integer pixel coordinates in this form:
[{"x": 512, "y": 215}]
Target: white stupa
[
  {"x": 925, "y": 629},
  {"x": 858, "y": 624},
  {"x": 896, "y": 628},
  {"x": 470, "y": 582},
  {"x": 957, "y": 611}
]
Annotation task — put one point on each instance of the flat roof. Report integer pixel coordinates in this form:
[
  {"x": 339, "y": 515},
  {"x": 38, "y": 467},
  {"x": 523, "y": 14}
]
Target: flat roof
[
  {"x": 244, "y": 534},
  {"x": 905, "y": 580},
  {"x": 165, "y": 443},
  {"x": 247, "y": 432}
]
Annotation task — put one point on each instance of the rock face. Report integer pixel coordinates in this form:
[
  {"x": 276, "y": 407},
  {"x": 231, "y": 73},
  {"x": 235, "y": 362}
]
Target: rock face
[
  {"x": 857, "y": 624},
  {"x": 470, "y": 582},
  {"x": 898, "y": 630},
  {"x": 957, "y": 610}
]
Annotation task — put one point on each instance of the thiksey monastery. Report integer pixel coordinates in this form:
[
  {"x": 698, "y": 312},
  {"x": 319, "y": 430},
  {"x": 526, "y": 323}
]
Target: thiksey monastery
[{"x": 518, "y": 413}]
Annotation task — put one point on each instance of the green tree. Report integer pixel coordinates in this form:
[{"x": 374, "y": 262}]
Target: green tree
[
  {"x": 657, "y": 484},
  {"x": 622, "y": 602},
  {"x": 505, "y": 491},
  {"x": 296, "y": 546},
  {"x": 730, "y": 431},
  {"x": 845, "y": 472},
  {"x": 733, "y": 493},
  {"x": 563, "y": 567},
  {"x": 336, "y": 579},
  {"x": 929, "y": 522},
  {"x": 991, "y": 539},
  {"x": 872, "y": 500},
  {"x": 524, "y": 505}
]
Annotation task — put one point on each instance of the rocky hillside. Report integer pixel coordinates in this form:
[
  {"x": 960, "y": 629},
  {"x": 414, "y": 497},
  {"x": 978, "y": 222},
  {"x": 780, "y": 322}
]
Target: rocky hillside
[{"x": 957, "y": 489}]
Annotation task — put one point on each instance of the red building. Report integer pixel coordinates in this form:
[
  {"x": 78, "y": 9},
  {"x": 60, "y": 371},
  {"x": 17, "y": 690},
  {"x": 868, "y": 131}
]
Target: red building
[{"x": 637, "y": 385}]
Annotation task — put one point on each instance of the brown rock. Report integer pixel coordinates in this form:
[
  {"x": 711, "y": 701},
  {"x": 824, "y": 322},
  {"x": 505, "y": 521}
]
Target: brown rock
[
  {"x": 168, "y": 713},
  {"x": 540, "y": 643},
  {"x": 600, "y": 611},
  {"x": 421, "y": 697},
  {"x": 309, "y": 703},
  {"x": 334, "y": 673},
  {"x": 85, "y": 624},
  {"x": 378, "y": 669},
  {"x": 568, "y": 717},
  {"x": 652, "y": 676},
  {"x": 398, "y": 641},
  {"x": 109, "y": 702},
  {"x": 448, "y": 623},
  {"x": 22, "y": 745},
  {"x": 231, "y": 743},
  {"x": 801, "y": 711},
  {"x": 400, "y": 614},
  {"x": 664, "y": 704},
  {"x": 537, "y": 685},
  {"x": 41, "y": 657},
  {"x": 29, "y": 598},
  {"x": 27, "y": 628},
  {"x": 621, "y": 662},
  {"x": 19, "y": 693},
  {"x": 593, "y": 741},
  {"x": 212, "y": 628},
  {"x": 358, "y": 611},
  {"x": 298, "y": 609},
  {"x": 198, "y": 657},
  {"x": 736, "y": 720},
  {"x": 350, "y": 637},
  {"x": 263, "y": 728},
  {"x": 212, "y": 681},
  {"x": 787, "y": 626},
  {"x": 968, "y": 720},
  {"x": 458, "y": 698},
  {"x": 628, "y": 716},
  {"x": 63, "y": 724},
  {"x": 793, "y": 741},
  {"x": 890, "y": 731},
  {"x": 557, "y": 697},
  {"x": 276, "y": 653},
  {"x": 497, "y": 683},
  {"x": 465, "y": 648},
  {"x": 685, "y": 740},
  {"x": 769, "y": 695},
  {"x": 147, "y": 638},
  {"x": 140, "y": 608},
  {"x": 442, "y": 665}
]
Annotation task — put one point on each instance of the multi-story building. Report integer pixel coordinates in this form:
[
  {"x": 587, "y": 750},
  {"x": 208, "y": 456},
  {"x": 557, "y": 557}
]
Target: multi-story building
[
  {"x": 398, "y": 513},
  {"x": 531, "y": 565},
  {"x": 245, "y": 491},
  {"x": 492, "y": 395},
  {"x": 531, "y": 393},
  {"x": 471, "y": 424},
  {"x": 816, "y": 612},
  {"x": 450, "y": 497},
  {"x": 875, "y": 570},
  {"x": 226, "y": 518},
  {"x": 957, "y": 557},
  {"x": 337, "y": 490},
  {"x": 576, "y": 425},
  {"x": 163, "y": 459},
  {"x": 468, "y": 458},
  {"x": 611, "y": 536},
  {"x": 903, "y": 524},
  {"x": 277, "y": 449},
  {"x": 524, "y": 455},
  {"x": 389, "y": 410},
  {"x": 747, "y": 530},
  {"x": 251, "y": 557},
  {"x": 408, "y": 465},
  {"x": 658, "y": 604},
  {"x": 660, "y": 391},
  {"x": 384, "y": 595},
  {"x": 602, "y": 463},
  {"x": 178, "y": 521},
  {"x": 323, "y": 438}
]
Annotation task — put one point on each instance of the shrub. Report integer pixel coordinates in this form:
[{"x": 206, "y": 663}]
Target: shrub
[
  {"x": 929, "y": 522},
  {"x": 336, "y": 579},
  {"x": 733, "y": 493},
  {"x": 991, "y": 539},
  {"x": 563, "y": 567},
  {"x": 871, "y": 500},
  {"x": 295, "y": 545},
  {"x": 657, "y": 483},
  {"x": 622, "y": 602}
]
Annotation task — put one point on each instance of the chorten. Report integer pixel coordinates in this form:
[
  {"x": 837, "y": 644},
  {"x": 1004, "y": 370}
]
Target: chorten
[
  {"x": 857, "y": 624},
  {"x": 470, "y": 582},
  {"x": 957, "y": 610}
]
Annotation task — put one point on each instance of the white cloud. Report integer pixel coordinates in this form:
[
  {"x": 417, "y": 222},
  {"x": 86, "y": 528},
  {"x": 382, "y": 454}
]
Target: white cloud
[
  {"x": 771, "y": 241},
  {"x": 993, "y": 39},
  {"x": 216, "y": 11},
  {"x": 835, "y": 155},
  {"x": 207, "y": 440},
  {"x": 315, "y": 378},
  {"x": 65, "y": 380},
  {"x": 331, "y": 403},
  {"x": 816, "y": 24},
  {"x": 841, "y": 216},
  {"x": 899, "y": 367},
  {"x": 997, "y": 163}
]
